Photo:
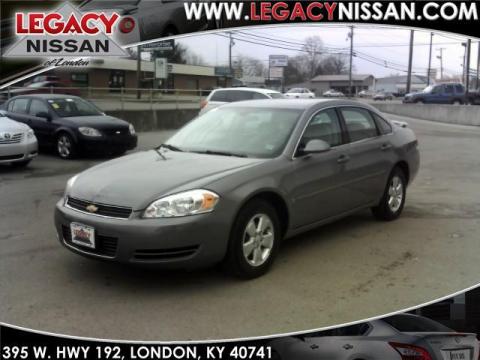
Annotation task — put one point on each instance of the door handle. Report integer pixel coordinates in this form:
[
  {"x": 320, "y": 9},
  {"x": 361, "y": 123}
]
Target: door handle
[
  {"x": 386, "y": 146},
  {"x": 347, "y": 346},
  {"x": 343, "y": 159}
]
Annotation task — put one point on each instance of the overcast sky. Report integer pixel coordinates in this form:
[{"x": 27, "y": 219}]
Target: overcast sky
[{"x": 385, "y": 43}]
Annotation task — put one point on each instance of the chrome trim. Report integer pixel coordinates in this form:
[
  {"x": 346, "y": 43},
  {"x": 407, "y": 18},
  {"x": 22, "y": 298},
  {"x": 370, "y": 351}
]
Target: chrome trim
[
  {"x": 85, "y": 252},
  {"x": 93, "y": 214}
]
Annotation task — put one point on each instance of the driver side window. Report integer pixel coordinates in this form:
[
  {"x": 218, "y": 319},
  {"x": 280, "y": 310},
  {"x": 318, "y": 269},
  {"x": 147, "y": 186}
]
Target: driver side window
[{"x": 325, "y": 126}]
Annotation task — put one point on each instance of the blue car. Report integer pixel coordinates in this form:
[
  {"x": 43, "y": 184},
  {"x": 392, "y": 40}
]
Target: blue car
[{"x": 450, "y": 93}]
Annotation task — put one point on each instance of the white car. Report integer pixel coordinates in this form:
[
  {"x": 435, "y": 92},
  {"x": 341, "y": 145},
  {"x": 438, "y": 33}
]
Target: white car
[
  {"x": 227, "y": 95},
  {"x": 18, "y": 144},
  {"x": 333, "y": 93},
  {"x": 299, "y": 93}
]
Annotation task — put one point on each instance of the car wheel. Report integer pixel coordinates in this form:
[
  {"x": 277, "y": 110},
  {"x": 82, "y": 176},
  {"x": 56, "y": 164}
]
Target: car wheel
[
  {"x": 393, "y": 199},
  {"x": 66, "y": 148},
  {"x": 254, "y": 240},
  {"x": 19, "y": 164},
  {"x": 420, "y": 101},
  {"x": 456, "y": 102}
]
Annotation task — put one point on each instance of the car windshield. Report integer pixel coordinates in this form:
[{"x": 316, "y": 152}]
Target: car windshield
[
  {"x": 296, "y": 90},
  {"x": 66, "y": 107},
  {"x": 238, "y": 131},
  {"x": 276, "y": 95},
  {"x": 428, "y": 89}
]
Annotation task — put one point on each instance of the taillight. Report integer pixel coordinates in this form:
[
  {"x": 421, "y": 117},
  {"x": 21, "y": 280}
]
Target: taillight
[
  {"x": 126, "y": 25},
  {"x": 411, "y": 352},
  {"x": 203, "y": 103}
]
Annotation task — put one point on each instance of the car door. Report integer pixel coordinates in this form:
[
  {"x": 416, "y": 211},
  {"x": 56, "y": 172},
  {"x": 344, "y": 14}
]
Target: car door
[
  {"x": 371, "y": 157},
  {"x": 17, "y": 109},
  {"x": 436, "y": 96},
  {"x": 41, "y": 121},
  {"x": 319, "y": 192}
]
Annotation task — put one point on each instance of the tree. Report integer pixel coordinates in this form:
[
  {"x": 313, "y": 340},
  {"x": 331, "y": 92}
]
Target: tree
[
  {"x": 313, "y": 49},
  {"x": 333, "y": 65},
  {"x": 250, "y": 66}
]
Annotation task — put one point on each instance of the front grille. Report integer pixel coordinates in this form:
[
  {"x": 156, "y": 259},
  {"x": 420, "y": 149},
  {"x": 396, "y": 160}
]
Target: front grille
[
  {"x": 13, "y": 139},
  {"x": 165, "y": 254},
  {"x": 116, "y": 132},
  {"x": 104, "y": 245},
  {"x": 11, "y": 157},
  {"x": 102, "y": 209}
]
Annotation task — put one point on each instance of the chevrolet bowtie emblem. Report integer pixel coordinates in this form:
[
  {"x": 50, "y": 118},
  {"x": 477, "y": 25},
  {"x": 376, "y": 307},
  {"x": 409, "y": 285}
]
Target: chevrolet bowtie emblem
[{"x": 92, "y": 208}]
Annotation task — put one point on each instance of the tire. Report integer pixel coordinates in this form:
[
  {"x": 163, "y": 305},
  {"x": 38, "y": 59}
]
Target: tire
[
  {"x": 20, "y": 164},
  {"x": 457, "y": 102},
  {"x": 393, "y": 199},
  {"x": 66, "y": 147},
  {"x": 241, "y": 258},
  {"x": 420, "y": 101}
]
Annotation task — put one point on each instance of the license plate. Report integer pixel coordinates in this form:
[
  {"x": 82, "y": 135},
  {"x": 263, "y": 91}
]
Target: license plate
[
  {"x": 458, "y": 355},
  {"x": 83, "y": 235}
]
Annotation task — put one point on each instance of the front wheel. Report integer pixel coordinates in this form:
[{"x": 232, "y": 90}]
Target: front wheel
[
  {"x": 254, "y": 240},
  {"x": 393, "y": 199},
  {"x": 66, "y": 148}
]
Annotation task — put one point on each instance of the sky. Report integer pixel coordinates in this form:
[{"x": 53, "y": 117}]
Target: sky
[{"x": 388, "y": 44}]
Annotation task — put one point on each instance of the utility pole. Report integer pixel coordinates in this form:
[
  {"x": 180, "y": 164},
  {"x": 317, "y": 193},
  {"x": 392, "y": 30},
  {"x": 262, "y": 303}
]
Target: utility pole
[
  {"x": 430, "y": 60},
  {"x": 478, "y": 66},
  {"x": 230, "y": 46},
  {"x": 440, "y": 57},
  {"x": 139, "y": 70},
  {"x": 350, "y": 78},
  {"x": 410, "y": 61},
  {"x": 464, "y": 63},
  {"x": 467, "y": 65}
]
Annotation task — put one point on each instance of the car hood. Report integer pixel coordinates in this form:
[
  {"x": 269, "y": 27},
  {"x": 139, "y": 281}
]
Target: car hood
[
  {"x": 9, "y": 125},
  {"x": 138, "y": 179},
  {"x": 97, "y": 121}
]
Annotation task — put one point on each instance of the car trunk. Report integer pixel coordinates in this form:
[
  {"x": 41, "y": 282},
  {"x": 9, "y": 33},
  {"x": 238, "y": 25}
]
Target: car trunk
[{"x": 450, "y": 345}]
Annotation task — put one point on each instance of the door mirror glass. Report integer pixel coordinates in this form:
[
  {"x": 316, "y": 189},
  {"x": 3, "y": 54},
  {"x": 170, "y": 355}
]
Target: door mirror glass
[
  {"x": 316, "y": 146},
  {"x": 45, "y": 115}
]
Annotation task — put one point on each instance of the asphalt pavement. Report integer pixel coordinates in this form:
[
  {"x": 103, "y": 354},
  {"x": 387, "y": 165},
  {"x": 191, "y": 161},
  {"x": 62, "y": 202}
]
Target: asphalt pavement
[{"x": 350, "y": 270}]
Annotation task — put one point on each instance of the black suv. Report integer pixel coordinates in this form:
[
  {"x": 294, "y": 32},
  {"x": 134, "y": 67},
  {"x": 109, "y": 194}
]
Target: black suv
[
  {"x": 449, "y": 93},
  {"x": 71, "y": 124}
]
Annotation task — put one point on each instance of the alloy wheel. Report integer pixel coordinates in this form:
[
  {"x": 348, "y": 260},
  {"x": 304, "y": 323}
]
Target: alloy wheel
[
  {"x": 395, "y": 194},
  {"x": 64, "y": 146},
  {"x": 258, "y": 240}
]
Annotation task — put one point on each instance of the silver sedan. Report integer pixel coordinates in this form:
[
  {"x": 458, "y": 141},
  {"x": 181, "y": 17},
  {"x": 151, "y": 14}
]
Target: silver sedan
[{"x": 18, "y": 144}]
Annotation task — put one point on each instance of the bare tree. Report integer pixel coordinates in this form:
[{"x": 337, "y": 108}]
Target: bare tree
[
  {"x": 333, "y": 65},
  {"x": 192, "y": 58},
  {"x": 250, "y": 66},
  {"x": 313, "y": 49}
]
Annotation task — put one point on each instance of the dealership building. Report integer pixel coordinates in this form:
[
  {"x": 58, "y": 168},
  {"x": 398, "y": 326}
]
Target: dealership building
[
  {"x": 122, "y": 73},
  {"x": 321, "y": 83},
  {"x": 398, "y": 84}
]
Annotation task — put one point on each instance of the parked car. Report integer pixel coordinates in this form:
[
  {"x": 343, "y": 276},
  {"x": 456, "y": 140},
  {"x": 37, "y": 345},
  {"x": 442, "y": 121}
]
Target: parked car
[
  {"x": 227, "y": 95},
  {"x": 41, "y": 87},
  {"x": 241, "y": 178},
  {"x": 71, "y": 124},
  {"x": 398, "y": 337},
  {"x": 473, "y": 97},
  {"x": 382, "y": 96},
  {"x": 333, "y": 93},
  {"x": 43, "y": 78},
  {"x": 366, "y": 93},
  {"x": 18, "y": 144},
  {"x": 147, "y": 20},
  {"x": 299, "y": 93},
  {"x": 450, "y": 93}
]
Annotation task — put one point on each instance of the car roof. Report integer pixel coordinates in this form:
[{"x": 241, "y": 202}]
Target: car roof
[
  {"x": 258, "y": 90},
  {"x": 302, "y": 104},
  {"x": 46, "y": 96}
]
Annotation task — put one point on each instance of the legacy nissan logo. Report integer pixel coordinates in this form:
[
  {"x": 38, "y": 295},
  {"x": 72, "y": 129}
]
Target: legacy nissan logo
[
  {"x": 92, "y": 208},
  {"x": 68, "y": 31}
]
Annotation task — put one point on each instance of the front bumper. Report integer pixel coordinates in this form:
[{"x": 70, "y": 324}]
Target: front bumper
[
  {"x": 23, "y": 151},
  {"x": 108, "y": 143},
  {"x": 185, "y": 242}
]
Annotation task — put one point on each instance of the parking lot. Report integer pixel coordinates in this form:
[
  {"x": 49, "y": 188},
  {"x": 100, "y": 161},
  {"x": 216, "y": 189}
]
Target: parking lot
[{"x": 349, "y": 270}]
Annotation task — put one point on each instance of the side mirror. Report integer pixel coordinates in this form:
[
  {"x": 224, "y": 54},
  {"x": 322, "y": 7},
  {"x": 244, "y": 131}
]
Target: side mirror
[
  {"x": 44, "y": 115},
  {"x": 315, "y": 146}
]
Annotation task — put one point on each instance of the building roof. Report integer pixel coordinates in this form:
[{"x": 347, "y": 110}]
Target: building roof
[
  {"x": 402, "y": 79},
  {"x": 355, "y": 77}
]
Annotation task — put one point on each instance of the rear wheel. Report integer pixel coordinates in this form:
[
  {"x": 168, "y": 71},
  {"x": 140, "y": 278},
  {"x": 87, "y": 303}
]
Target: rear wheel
[
  {"x": 457, "y": 102},
  {"x": 254, "y": 240},
  {"x": 393, "y": 199},
  {"x": 66, "y": 147}
]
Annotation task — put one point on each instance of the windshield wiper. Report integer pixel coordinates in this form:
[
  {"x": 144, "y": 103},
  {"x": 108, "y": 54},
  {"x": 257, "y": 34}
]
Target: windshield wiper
[
  {"x": 169, "y": 147},
  {"x": 223, "y": 153}
]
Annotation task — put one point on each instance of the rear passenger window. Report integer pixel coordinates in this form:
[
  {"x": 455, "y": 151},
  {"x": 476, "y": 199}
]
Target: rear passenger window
[
  {"x": 239, "y": 95},
  {"x": 258, "y": 96},
  {"x": 459, "y": 89},
  {"x": 383, "y": 125},
  {"x": 19, "y": 106},
  {"x": 360, "y": 124},
  {"x": 449, "y": 89},
  {"x": 37, "y": 107},
  {"x": 219, "y": 96}
]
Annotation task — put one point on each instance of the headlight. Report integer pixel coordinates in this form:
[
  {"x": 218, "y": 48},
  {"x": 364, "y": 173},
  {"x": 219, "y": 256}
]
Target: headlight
[
  {"x": 88, "y": 131},
  {"x": 30, "y": 134},
  {"x": 70, "y": 183},
  {"x": 131, "y": 129},
  {"x": 182, "y": 204}
]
